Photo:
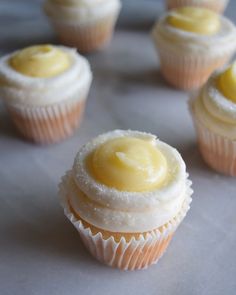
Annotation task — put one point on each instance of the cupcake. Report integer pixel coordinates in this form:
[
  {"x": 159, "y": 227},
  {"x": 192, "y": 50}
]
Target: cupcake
[
  {"x": 87, "y": 25},
  {"x": 192, "y": 42},
  {"x": 45, "y": 88},
  {"x": 214, "y": 113},
  {"x": 215, "y": 5},
  {"x": 126, "y": 195}
]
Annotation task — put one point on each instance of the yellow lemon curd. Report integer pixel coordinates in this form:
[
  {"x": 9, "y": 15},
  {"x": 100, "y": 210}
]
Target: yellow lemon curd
[
  {"x": 129, "y": 164},
  {"x": 226, "y": 83},
  {"x": 194, "y": 19},
  {"x": 42, "y": 61}
]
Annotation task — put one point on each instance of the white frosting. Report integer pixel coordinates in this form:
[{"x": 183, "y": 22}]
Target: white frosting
[
  {"x": 121, "y": 211},
  {"x": 19, "y": 88},
  {"x": 216, "y": 103},
  {"x": 81, "y": 11},
  {"x": 214, "y": 110},
  {"x": 179, "y": 40},
  {"x": 116, "y": 220}
]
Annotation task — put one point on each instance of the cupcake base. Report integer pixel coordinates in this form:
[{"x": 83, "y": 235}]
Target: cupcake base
[
  {"x": 217, "y": 151},
  {"x": 126, "y": 256},
  {"x": 217, "y": 5},
  {"x": 126, "y": 251},
  {"x": 47, "y": 124},
  {"x": 86, "y": 38},
  {"x": 188, "y": 72}
]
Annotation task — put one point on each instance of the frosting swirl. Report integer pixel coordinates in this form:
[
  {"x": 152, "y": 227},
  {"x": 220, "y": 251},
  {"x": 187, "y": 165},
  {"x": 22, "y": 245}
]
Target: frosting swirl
[
  {"x": 194, "y": 43},
  {"x": 41, "y": 61},
  {"x": 194, "y": 19},
  {"x": 227, "y": 82},
  {"x": 129, "y": 164},
  {"x": 214, "y": 109},
  {"x": 113, "y": 209},
  {"x": 19, "y": 88}
]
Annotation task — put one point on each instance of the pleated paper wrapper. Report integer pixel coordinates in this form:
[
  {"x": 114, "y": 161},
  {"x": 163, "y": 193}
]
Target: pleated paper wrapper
[
  {"x": 126, "y": 255},
  {"x": 86, "y": 37},
  {"x": 47, "y": 124},
  {"x": 218, "y": 152},
  {"x": 187, "y": 72}
]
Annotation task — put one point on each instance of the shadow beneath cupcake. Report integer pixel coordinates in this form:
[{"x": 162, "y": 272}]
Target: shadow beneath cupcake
[
  {"x": 9, "y": 132},
  {"x": 139, "y": 16},
  {"x": 19, "y": 43},
  {"x": 49, "y": 235},
  {"x": 151, "y": 77},
  {"x": 193, "y": 159},
  {"x": 122, "y": 81},
  {"x": 7, "y": 129},
  {"x": 144, "y": 24}
]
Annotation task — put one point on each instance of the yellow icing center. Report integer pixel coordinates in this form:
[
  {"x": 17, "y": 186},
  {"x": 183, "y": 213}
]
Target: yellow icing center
[
  {"x": 226, "y": 83},
  {"x": 194, "y": 19},
  {"x": 42, "y": 61},
  {"x": 129, "y": 164}
]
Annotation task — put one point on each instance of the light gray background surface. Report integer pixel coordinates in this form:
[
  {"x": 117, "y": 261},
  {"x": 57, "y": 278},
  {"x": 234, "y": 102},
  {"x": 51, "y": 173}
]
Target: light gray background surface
[{"x": 40, "y": 251}]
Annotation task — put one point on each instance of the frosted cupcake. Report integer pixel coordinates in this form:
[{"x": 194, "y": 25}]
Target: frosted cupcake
[
  {"x": 87, "y": 25},
  {"x": 126, "y": 195},
  {"x": 214, "y": 113},
  {"x": 215, "y": 5},
  {"x": 45, "y": 88},
  {"x": 192, "y": 42}
]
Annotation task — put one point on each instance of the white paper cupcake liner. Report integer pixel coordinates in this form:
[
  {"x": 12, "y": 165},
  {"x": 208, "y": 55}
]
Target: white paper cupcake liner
[
  {"x": 47, "y": 124},
  {"x": 216, "y": 5},
  {"x": 126, "y": 255},
  {"x": 187, "y": 71},
  {"x": 218, "y": 152},
  {"x": 86, "y": 37}
]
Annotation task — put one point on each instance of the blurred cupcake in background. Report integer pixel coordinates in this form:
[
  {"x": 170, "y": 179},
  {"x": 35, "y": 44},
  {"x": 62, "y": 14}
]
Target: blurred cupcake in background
[
  {"x": 192, "y": 42},
  {"x": 85, "y": 24},
  {"x": 215, "y": 5},
  {"x": 214, "y": 112},
  {"x": 126, "y": 194},
  {"x": 45, "y": 88}
]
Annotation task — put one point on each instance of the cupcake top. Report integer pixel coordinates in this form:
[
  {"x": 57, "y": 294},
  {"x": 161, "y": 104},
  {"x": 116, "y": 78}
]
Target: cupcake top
[
  {"x": 80, "y": 11},
  {"x": 195, "y": 20},
  {"x": 215, "y": 104},
  {"x": 226, "y": 82},
  {"x": 43, "y": 74},
  {"x": 42, "y": 61},
  {"x": 196, "y": 30},
  {"x": 127, "y": 181}
]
